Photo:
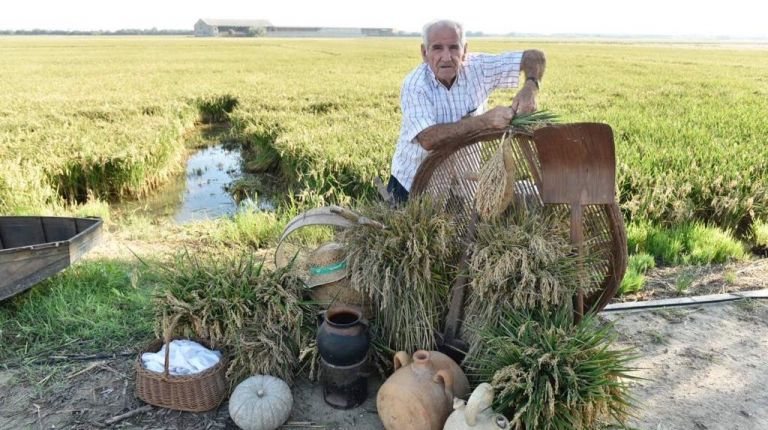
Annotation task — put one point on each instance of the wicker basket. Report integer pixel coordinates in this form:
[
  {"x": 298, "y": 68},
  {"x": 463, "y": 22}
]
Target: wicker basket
[{"x": 193, "y": 393}]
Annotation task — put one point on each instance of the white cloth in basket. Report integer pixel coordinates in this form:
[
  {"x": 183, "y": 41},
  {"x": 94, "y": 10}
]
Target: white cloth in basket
[{"x": 187, "y": 357}]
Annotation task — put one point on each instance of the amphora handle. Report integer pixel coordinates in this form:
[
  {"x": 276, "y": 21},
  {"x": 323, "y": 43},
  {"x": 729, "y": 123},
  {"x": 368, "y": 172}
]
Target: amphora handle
[
  {"x": 401, "y": 359},
  {"x": 445, "y": 378}
]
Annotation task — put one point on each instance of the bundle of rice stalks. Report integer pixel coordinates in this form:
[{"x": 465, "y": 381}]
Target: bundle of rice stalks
[
  {"x": 523, "y": 260},
  {"x": 405, "y": 269},
  {"x": 520, "y": 261},
  {"x": 496, "y": 183},
  {"x": 550, "y": 374},
  {"x": 256, "y": 314}
]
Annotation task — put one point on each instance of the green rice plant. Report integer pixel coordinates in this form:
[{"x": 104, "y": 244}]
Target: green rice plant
[
  {"x": 215, "y": 109},
  {"x": 632, "y": 282},
  {"x": 251, "y": 228},
  {"x": 405, "y": 270},
  {"x": 551, "y": 375},
  {"x": 527, "y": 122},
  {"x": 520, "y": 261},
  {"x": 235, "y": 302},
  {"x": 760, "y": 234},
  {"x": 637, "y": 236},
  {"x": 683, "y": 282},
  {"x": 634, "y": 278},
  {"x": 687, "y": 243},
  {"x": 708, "y": 245},
  {"x": 641, "y": 262}
]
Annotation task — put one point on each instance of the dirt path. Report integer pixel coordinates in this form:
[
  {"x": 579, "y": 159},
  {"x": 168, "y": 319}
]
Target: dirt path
[
  {"x": 705, "y": 366},
  {"x": 705, "y": 369}
]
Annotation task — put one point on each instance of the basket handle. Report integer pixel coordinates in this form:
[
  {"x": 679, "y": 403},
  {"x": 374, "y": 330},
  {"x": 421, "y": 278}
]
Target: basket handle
[{"x": 167, "y": 338}]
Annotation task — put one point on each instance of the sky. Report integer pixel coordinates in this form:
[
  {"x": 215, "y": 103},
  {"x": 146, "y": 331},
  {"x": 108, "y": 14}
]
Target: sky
[{"x": 733, "y": 18}]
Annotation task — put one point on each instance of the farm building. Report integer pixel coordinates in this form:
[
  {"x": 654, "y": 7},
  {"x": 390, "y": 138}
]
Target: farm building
[
  {"x": 228, "y": 27},
  {"x": 233, "y": 27}
]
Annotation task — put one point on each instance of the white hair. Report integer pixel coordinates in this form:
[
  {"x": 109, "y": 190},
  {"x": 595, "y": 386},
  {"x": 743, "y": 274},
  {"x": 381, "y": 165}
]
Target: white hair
[{"x": 443, "y": 23}]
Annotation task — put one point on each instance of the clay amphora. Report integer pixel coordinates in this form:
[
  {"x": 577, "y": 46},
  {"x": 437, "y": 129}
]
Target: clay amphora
[
  {"x": 342, "y": 338},
  {"x": 476, "y": 413},
  {"x": 440, "y": 361},
  {"x": 417, "y": 396}
]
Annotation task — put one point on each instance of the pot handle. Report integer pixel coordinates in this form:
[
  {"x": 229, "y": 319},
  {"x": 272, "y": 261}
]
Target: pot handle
[
  {"x": 401, "y": 359},
  {"x": 445, "y": 378},
  {"x": 320, "y": 317},
  {"x": 481, "y": 399}
]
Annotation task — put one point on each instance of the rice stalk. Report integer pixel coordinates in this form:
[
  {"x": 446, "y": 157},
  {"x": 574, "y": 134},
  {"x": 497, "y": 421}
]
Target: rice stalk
[
  {"x": 256, "y": 314},
  {"x": 405, "y": 270},
  {"x": 496, "y": 183},
  {"x": 527, "y": 122},
  {"x": 523, "y": 260}
]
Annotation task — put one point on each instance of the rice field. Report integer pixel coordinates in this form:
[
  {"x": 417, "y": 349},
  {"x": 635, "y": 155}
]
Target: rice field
[{"x": 89, "y": 118}]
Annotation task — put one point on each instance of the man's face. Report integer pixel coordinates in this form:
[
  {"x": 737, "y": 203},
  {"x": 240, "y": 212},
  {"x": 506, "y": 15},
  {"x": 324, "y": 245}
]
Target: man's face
[{"x": 445, "y": 54}]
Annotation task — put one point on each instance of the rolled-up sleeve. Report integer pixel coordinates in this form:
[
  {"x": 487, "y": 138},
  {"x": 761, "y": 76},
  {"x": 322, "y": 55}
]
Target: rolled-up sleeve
[
  {"x": 418, "y": 112},
  {"x": 502, "y": 70}
]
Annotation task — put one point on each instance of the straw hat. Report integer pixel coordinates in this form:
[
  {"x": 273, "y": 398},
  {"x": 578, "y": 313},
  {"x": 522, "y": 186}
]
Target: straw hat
[{"x": 328, "y": 263}]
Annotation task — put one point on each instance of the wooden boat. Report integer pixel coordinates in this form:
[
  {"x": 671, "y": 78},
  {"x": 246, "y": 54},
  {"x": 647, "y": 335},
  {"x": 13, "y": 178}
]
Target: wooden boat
[{"x": 33, "y": 248}]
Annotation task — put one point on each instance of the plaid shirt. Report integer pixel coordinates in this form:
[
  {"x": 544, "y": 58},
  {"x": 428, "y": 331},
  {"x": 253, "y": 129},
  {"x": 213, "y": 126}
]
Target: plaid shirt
[{"x": 425, "y": 102}]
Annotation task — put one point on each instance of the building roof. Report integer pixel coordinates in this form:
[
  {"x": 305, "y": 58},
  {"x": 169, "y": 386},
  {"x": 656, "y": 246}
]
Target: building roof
[{"x": 237, "y": 22}]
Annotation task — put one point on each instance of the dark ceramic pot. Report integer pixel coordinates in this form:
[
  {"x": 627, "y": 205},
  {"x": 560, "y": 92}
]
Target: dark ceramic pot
[{"x": 343, "y": 338}]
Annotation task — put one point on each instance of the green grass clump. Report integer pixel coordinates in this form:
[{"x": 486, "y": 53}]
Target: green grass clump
[
  {"x": 634, "y": 278},
  {"x": 405, "y": 270},
  {"x": 93, "y": 307},
  {"x": 760, "y": 234},
  {"x": 688, "y": 243},
  {"x": 250, "y": 228},
  {"x": 551, "y": 375},
  {"x": 235, "y": 302}
]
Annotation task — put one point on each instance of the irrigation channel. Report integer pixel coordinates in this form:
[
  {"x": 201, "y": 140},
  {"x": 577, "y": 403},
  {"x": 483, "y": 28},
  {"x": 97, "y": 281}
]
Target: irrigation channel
[{"x": 201, "y": 192}]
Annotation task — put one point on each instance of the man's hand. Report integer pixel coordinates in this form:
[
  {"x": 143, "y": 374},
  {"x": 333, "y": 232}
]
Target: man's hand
[
  {"x": 525, "y": 100},
  {"x": 533, "y": 65},
  {"x": 498, "y": 118}
]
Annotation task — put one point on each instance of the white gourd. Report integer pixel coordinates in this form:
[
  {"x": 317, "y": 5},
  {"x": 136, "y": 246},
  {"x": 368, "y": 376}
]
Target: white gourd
[{"x": 261, "y": 402}]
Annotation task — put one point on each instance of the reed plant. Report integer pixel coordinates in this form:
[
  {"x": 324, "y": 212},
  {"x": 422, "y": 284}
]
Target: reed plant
[
  {"x": 550, "y": 374},
  {"x": 255, "y": 313},
  {"x": 405, "y": 270}
]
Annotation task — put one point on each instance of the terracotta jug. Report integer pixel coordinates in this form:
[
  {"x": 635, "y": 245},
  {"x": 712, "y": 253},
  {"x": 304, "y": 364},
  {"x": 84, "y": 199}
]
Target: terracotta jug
[
  {"x": 476, "y": 413},
  {"x": 343, "y": 336},
  {"x": 440, "y": 361},
  {"x": 417, "y": 396}
]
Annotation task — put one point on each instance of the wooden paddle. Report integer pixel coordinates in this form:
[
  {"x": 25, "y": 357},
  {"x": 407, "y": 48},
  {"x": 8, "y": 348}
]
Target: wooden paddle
[{"x": 578, "y": 165}]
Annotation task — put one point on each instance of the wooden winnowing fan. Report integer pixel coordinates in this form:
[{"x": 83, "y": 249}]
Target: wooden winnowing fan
[{"x": 451, "y": 174}]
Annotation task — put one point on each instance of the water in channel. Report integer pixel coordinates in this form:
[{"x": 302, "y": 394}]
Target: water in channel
[{"x": 200, "y": 193}]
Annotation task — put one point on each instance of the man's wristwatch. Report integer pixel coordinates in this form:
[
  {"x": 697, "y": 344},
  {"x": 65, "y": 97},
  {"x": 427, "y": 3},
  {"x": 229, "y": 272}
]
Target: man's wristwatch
[{"x": 535, "y": 81}]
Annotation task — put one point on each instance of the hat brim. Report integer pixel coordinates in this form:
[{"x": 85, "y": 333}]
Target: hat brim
[{"x": 315, "y": 280}]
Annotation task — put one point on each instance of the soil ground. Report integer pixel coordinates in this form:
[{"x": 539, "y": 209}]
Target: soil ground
[{"x": 703, "y": 368}]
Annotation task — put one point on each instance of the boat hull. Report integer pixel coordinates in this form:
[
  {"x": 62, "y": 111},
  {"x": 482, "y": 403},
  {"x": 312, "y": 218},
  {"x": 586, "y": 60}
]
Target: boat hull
[{"x": 35, "y": 248}]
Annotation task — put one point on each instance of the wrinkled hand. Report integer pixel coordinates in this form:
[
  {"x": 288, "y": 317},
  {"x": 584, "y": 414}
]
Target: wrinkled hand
[
  {"x": 525, "y": 100},
  {"x": 498, "y": 118}
]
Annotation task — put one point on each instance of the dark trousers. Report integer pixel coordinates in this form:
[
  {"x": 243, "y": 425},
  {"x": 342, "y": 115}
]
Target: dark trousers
[{"x": 397, "y": 190}]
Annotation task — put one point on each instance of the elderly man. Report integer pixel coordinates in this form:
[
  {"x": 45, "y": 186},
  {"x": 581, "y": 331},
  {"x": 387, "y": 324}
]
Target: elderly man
[{"x": 443, "y": 100}]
